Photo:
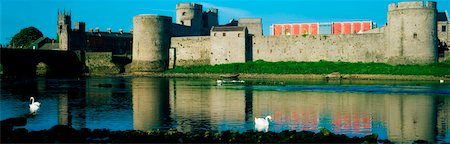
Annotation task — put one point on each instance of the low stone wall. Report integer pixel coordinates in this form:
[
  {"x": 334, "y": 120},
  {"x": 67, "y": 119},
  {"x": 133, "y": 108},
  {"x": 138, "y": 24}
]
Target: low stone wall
[{"x": 101, "y": 63}]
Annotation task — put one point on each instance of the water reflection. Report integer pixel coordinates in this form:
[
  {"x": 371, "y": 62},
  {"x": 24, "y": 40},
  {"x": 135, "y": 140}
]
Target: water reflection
[
  {"x": 411, "y": 117},
  {"x": 150, "y": 103},
  {"x": 417, "y": 112}
]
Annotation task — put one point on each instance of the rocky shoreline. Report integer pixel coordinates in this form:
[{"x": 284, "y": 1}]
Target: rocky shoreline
[{"x": 66, "y": 134}]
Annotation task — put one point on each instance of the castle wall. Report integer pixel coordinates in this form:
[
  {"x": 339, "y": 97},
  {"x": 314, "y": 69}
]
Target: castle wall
[
  {"x": 444, "y": 36},
  {"x": 350, "y": 48},
  {"x": 228, "y": 46},
  {"x": 189, "y": 51},
  {"x": 101, "y": 62}
]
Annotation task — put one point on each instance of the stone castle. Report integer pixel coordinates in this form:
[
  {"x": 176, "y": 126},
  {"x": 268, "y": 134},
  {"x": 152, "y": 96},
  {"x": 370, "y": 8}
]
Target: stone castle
[{"x": 156, "y": 44}]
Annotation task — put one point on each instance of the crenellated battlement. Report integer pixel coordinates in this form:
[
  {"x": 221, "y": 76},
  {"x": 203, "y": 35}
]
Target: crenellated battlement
[
  {"x": 189, "y": 6},
  {"x": 64, "y": 13},
  {"x": 411, "y": 5},
  {"x": 108, "y": 30},
  {"x": 212, "y": 10}
]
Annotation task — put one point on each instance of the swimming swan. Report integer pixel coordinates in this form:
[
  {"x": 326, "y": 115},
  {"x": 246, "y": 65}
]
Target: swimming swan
[
  {"x": 262, "y": 124},
  {"x": 262, "y": 121},
  {"x": 34, "y": 106}
]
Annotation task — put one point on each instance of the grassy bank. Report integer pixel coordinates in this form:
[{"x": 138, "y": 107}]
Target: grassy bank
[{"x": 321, "y": 67}]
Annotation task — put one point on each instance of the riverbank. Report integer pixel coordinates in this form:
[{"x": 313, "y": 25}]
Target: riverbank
[
  {"x": 244, "y": 76},
  {"x": 309, "y": 71}
]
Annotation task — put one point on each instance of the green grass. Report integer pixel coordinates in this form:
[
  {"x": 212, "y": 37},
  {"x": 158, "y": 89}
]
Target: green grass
[{"x": 321, "y": 67}]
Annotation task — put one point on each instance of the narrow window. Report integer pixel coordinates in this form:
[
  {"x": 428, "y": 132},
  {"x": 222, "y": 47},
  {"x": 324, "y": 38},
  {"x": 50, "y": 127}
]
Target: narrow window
[
  {"x": 444, "y": 28},
  {"x": 215, "y": 34},
  {"x": 239, "y": 35},
  {"x": 223, "y": 34},
  {"x": 182, "y": 22},
  {"x": 415, "y": 35},
  {"x": 184, "y": 13}
]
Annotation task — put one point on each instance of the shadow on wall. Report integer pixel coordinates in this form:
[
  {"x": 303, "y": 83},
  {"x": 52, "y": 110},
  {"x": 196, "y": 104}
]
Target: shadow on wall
[
  {"x": 249, "y": 48},
  {"x": 443, "y": 51}
]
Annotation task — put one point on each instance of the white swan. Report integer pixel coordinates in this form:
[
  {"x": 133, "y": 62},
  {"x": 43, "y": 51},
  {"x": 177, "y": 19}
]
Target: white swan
[
  {"x": 262, "y": 123},
  {"x": 34, "y": 106}
]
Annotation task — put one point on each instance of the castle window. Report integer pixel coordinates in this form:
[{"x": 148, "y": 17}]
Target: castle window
[
  {"x": 215, "y": 34},
  {"x": 239, "y": 35},
  {"x": 415, "y": 35},
  {"x": 184, "y": 13},
  {"x": 444, "y": 28},
  {"x": 182, "y": 22},
  {"x": 223, "y": 34}
]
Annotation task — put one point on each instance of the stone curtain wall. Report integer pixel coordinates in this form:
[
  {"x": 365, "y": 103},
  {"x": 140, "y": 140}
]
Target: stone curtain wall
[
  {"x": 101, "y": 62},
  {"x": 189, "y": 51},
  {"x": 228, "y": 47},
  {"x": 350, "y": 48}
]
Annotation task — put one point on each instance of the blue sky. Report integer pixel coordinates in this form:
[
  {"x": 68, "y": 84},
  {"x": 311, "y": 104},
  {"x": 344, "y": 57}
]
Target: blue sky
[{"x": 116, "y": 14}]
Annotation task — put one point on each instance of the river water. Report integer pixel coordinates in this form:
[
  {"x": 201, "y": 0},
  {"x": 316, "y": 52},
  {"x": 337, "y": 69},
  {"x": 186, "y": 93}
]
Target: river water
[{"x": 399, "y": 111}]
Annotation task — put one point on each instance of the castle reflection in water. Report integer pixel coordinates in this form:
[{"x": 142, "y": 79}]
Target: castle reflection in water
[{"x": 188, "y": 105}]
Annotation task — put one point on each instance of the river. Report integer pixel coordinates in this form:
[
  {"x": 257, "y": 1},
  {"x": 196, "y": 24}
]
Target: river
[{"x": 400, "y": 111}]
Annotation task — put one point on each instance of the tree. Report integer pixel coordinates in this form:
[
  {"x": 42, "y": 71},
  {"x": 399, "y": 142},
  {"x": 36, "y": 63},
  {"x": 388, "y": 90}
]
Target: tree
[{"x": 25, "y": 37}]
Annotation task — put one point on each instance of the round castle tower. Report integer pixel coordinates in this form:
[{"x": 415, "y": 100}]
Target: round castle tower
[
  {"x": 151, "y": 42},
  {"x": 189, "y": 14},
  {"x": 411, "y": 33}
]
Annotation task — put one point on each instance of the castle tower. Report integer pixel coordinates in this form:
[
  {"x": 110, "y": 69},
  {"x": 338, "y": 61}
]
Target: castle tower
[
  {"x": 64, "y": 28},
  {"x": 411, "y": 33},
  {"x": 211, "y": 18},
  {"x": 151, "y": 42},
  {"x": 190, "y": 14}
]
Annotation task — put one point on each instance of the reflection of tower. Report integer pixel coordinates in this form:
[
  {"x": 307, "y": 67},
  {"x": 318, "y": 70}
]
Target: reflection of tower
[
  {"x": 64, "y": 29},
  {"x": 77, "y": 96},
  {"x": 190, "y": 106},
  {"x": 248, "y": 104},
  {"x": 443, "y": 115},
  {"x": 150, "y": 103},
  {"x": 228, "y": 105},
  {"x": 63, "y": 110},
  {"x": 411, "y": 118}
]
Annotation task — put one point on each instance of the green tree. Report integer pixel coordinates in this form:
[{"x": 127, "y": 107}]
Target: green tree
[{"x": 25, "y": 37}]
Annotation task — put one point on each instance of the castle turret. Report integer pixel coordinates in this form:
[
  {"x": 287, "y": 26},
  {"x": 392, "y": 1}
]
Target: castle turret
[
  {"x": 80, "y": 26},
  {"x": 411, "y": 33},
  {"x": 151, "y": 42},
  {"x": 211, "y": 18},
  {"x": 190, "y": 14},
  {"x": 64, "y": 29}
]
